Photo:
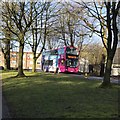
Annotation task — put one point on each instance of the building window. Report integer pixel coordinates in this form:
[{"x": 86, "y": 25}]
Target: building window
[
  {"x": 38, "y": 62},
  {"x": 14, "y": 62},
  {"x": 13, "y": 55}
]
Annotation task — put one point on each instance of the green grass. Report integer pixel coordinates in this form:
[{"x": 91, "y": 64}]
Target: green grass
[{"x": 45, "y": 95}]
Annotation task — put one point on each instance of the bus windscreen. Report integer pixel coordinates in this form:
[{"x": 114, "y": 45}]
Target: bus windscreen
[{"x": 72, "y": 62}]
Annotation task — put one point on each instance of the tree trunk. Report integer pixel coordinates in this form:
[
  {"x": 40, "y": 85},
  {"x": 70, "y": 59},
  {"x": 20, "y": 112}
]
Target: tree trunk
[
  {"x": 8, "y": 61},
  {"x": 34, "y": 64},
  {"x": 5, "y": 62},
  {"x": 71, "y": 40},
  {"x": 106, "y": 80},
  {"x": 20, "y": 61},
  {"x": 7, "y": 56},
  {"x": 102, "y": 65}
]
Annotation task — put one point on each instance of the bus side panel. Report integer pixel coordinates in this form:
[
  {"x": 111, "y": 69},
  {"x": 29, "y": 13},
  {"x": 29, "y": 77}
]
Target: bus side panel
[
  {"x": 62, "y": 69},
  {"x": 74, "y": 70}
]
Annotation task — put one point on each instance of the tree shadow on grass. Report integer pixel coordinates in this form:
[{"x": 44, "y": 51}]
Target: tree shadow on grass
[
  {"x": 49, "y": 95},
  {"x": 58, "y": 98}
]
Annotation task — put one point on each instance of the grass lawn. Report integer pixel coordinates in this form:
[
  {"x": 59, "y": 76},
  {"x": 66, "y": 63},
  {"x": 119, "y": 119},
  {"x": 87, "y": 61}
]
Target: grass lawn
[{"x": 45, "y": 95}]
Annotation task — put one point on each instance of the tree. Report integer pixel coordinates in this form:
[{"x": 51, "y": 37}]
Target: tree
[
  {"x": 69, "y": 28},
  {"x": 18, "y": 17},
  {"x": 5, "y": 42},
  {"x": 106, "y": 15},
  {"x": 68, "y": 25},
  {"x": 41, "y": 28},
  {"x": 37, "y": 31},
  {"x": 93, "y": 51},
  {"x": 5, "y": 47}
]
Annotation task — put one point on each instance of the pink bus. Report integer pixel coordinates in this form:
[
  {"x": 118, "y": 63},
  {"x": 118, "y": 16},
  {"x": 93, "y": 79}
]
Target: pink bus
[{"x": 62, "y": 60}]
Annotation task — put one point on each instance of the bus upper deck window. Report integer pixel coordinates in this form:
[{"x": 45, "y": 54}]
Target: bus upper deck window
[{"x": 71, "y": 51}]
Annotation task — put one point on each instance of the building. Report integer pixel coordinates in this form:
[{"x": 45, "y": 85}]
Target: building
[
  {"x": 27, "y": 60},
  {"x": 1, "y": 59}
]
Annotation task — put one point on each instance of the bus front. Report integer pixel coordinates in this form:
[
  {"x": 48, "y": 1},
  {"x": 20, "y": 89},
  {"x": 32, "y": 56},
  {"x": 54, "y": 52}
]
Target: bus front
[{"x": 72, "y": 60}]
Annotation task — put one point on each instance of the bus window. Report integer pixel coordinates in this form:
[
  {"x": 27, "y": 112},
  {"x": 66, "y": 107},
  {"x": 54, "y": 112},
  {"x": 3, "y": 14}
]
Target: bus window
[
  {"x": 72, "y": 62},
  {"x": 61, "y": 51},
  {"x": 54, "y": 52},
  {"x": 71, "y": 51},
  {"x": 50, "y": 62}
]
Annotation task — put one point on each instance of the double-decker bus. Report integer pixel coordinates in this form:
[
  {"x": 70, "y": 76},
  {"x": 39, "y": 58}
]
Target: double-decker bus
[{"x": 62, "y": 60}]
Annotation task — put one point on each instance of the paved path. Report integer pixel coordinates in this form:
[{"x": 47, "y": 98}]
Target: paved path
[{"x": 112, "y": 80}]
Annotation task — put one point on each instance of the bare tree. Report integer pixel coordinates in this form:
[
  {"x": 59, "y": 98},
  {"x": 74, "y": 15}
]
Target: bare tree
[
  {"x": 18, "y": 17},
  {"x": 93, "y": 51},
  {"x": 41, "y": 28},
  {"x": 103, "y": 17},
  {"x": 5, "y": 46},
  {"x": 5, "y": 41},
  {"x": 37, "y": 32},
  {"x": 69, "y": 27}
]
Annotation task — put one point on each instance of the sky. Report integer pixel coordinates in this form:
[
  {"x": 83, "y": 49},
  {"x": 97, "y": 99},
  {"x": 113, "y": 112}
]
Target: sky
[
  {"x": 55, "y": 0},
  {"x": 93, "y": 39}
]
